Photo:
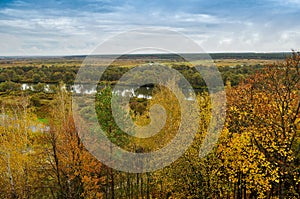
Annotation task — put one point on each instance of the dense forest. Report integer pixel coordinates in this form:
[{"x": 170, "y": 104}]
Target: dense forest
[
  {"x": 257, "y": 154},
  {"x": 12, "y": 77}
]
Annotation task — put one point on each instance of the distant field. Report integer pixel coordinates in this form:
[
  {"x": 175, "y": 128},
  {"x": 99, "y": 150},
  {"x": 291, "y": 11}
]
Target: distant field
[
  {"x": 220, "y": 59},
  {"x": 243, "y": 62}
]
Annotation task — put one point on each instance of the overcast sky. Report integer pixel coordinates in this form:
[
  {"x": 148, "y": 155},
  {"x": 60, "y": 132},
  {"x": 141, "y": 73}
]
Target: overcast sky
[{"x": 70, "y": 27}]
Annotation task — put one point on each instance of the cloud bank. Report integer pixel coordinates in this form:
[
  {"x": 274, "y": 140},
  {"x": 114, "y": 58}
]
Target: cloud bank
[{"x": 57, "y": 27}]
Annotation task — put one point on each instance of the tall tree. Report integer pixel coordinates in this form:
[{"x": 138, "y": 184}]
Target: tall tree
[
  {"x": 267, "y": 106},
  {"x": 77, "y": 174}
]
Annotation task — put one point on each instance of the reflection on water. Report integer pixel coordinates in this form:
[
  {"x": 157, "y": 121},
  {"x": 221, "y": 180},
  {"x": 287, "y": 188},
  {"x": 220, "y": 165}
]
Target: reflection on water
[
  {"x": 142, "y": 92},
  {"x": 26, "y": 87},
  {"x": 32, "y": 125}
]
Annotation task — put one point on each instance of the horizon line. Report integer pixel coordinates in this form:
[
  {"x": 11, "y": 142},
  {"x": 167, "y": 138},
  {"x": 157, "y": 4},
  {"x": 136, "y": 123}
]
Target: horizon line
[{"x": 161, "y": 53}]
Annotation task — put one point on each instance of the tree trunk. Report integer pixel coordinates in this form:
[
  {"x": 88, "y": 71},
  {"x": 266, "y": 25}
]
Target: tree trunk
[
  {"x": 148, "y": 190},
  {"x": 112, "y": 184},
  {"x": 14, "y": 194}
]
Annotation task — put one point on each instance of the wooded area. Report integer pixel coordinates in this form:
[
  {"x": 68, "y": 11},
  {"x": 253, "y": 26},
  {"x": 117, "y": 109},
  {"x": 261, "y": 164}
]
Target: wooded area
[{"x": 257, "y": 155}]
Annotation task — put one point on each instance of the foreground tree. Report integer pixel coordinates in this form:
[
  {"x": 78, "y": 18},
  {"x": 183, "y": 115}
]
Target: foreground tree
[
  {"x": 267, "y": 107},
  {"x": 75, "y": 172},
  {"x": 22, "y": 161}
]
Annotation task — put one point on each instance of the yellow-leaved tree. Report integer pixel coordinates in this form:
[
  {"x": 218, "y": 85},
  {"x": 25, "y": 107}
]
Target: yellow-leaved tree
[{"x": 265, "y": 110}]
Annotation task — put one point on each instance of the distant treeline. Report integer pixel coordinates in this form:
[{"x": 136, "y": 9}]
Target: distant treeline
[
  {"x": 281, "y": 55},
  {"x": 192, "y": 56},
  {"x": 67, "y": 75},
  {"x": 249, "y": 55}
]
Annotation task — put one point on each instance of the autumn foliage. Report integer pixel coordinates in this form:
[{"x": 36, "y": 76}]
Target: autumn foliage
[{"x": 257, "y": 154}]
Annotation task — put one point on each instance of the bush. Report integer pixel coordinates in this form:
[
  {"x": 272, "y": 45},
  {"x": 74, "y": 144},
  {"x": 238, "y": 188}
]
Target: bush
[{"x": 9, "y": 86}]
